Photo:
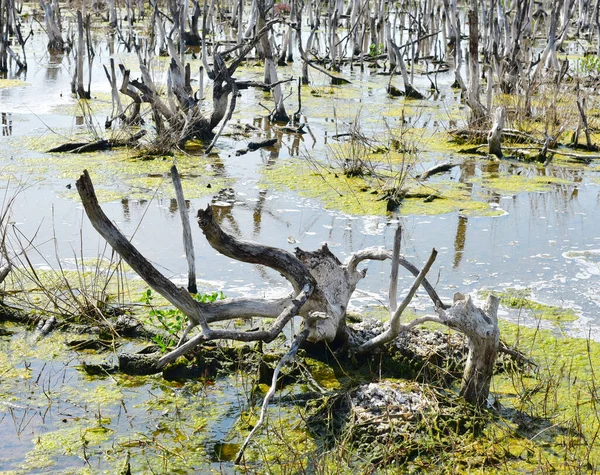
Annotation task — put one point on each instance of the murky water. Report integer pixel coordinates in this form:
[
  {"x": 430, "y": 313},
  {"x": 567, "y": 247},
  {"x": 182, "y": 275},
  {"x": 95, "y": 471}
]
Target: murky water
[{"x": 548, "y": 241}]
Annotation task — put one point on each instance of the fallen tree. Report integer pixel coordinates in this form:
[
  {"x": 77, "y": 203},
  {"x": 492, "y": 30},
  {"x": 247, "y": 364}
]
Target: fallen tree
[{"x": 322, "y": 288}]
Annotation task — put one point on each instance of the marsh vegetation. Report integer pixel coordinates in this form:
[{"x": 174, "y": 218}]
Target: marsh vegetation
[{"x": 470, "y": 126}]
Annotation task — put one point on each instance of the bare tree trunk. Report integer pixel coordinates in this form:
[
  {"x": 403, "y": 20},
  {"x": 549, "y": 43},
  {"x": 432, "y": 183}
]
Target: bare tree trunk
[
  {"x": 187, "y": 231},
  {"x": 495, "y": 135},
  {"x": 270, "y": 77},
  {"x": 77, "y": 81},
  {"x": 481, "y": 328},
  {"x": 3, "y": 36},
  {"x": 112, "y": 13},
  {"x": 409, "y": 90},
  {"x": 53, "y": 24},
  {"x": 478, "y": 112}
]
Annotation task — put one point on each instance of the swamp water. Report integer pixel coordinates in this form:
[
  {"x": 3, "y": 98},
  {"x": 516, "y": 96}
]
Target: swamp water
[{"x": 544, "y": 236}]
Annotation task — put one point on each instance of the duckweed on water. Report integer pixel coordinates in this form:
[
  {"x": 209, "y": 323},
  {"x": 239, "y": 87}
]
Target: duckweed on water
[
  {"x": 520, "y": 299},
  {"x": 6, "y": 83},
  {"x": 546, "y": 417},
  {"x": 449, "y": 196},
  {"x": 355, "y": 195},
  {"x": 520, "y": 183},
  {"x": 74, "y": 441},
  {"x": 138, "y": 177}
]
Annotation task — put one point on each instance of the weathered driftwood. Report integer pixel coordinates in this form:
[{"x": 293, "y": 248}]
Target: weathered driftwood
[
  {"x": 188, "y": 244},
  {"x": 322, "y": 288},
  {"x": 322, "y": 285},
  {"x": 481, "y": 328},
  {"x": 395, "y": 326},
  {"x": 441, "y": 168}
]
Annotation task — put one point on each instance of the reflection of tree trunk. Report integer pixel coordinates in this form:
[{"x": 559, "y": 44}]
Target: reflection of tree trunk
[
  {"x": 258, "y": 209},
  {"x": 6, "y": 124},
  {"x": 126, "y": 210},
  {"x": 491, "y": 167},
  {"x": 459, "y": 240},
  {"x": 467, "y": 171}
]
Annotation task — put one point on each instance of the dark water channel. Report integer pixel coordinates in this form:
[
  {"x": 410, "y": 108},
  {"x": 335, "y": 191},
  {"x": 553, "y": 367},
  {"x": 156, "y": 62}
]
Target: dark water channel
[{"x": 547, "y": 241}]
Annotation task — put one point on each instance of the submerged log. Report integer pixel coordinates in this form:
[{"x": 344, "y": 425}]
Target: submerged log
[
  {"x": 441, "y": 168},
  {"x": 98, "y": 145}
]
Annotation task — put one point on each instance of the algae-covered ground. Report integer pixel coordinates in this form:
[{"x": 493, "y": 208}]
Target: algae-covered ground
[{"x": 543, "y": 416}]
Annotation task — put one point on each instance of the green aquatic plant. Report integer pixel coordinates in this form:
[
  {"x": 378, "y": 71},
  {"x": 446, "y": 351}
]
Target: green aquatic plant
[
  {"x": 376, "y": 49},
  {"x": 589, "y": 64},
  {"x": 172, "y": 320}
]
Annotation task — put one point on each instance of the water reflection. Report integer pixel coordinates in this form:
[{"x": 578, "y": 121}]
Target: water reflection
[
  {"x": 130, "y": 207},
  {"x": 54, "y": 66},
  {"x": 174, "y": 208},
  {"x": 7, "y": 127},
  {"x": 258, "y": 210},
  {"x": 459, "y": 240}
]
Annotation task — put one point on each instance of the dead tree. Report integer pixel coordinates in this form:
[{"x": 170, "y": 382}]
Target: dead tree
[
  {"x": 10, "y": 24},
  {"x": 112, "y": 13},
  {"x": 495, "y": 135},
  {"x": 322, "y": 287},
  {"x": 305, "y": 51},
  {"x": 3, "y": 36},
  {"x": 83, "y": 49},
  {"x": 396, "y": 61},
  {"x": 178, "y": 116},
  {"x": 265, "y": 9},
  {"x": 53, "y": 25},
  {"x": 478, "y": 112}
]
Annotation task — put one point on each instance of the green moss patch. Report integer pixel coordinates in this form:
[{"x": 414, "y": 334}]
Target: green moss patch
[
  {"x": 117, "y": 174},
  {"x": 513, "y": 184},
  {"x": 551, "y": 411},
  {"x": 6, "y": 83},
  {"x": 446, "y": 197},
  {"x": 520, "y": 299},
  {"x": 360, "y": 195}
]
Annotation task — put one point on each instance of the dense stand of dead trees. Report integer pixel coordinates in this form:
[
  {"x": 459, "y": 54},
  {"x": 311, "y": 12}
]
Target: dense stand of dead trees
[
  {"x": 493, "y": 47},
  {"x": 11, "y": 35}
]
